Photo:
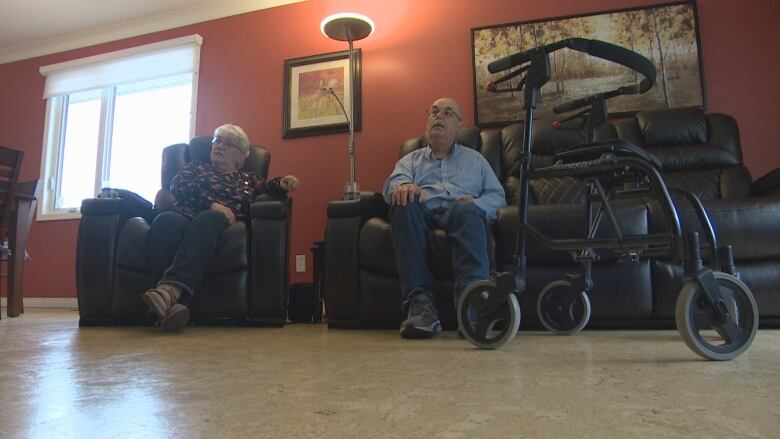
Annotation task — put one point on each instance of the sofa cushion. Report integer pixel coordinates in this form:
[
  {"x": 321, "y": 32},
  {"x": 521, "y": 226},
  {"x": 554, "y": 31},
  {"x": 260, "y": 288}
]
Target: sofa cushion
[
  {"x": 561, "y": 221},
  {"x": 675, "y": 127},
  {"x": 748, "y": 224},
  {"x": 727, "y": 183},
  {"x": 563, "y": 190},
  {"x": 704, "y": 183},
  {"x": 684, "y": 139},
  {"x": 547, "y": 140}
]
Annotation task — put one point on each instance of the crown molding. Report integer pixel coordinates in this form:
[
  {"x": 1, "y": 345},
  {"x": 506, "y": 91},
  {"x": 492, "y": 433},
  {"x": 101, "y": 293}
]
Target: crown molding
[{"x": 132, "y": 28}]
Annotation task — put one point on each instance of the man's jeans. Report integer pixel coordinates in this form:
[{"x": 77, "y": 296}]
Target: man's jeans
[
  {"x": 464, "y": 223},
  {"x": 179, "y": 248}
]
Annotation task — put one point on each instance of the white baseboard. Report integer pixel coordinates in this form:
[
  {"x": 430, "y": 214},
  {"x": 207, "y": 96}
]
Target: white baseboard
[{"x": 45, "y": 302}]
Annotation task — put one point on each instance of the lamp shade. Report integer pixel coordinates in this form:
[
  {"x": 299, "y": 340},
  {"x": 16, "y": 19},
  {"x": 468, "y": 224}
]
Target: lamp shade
[{"x": 346, "y": 26}]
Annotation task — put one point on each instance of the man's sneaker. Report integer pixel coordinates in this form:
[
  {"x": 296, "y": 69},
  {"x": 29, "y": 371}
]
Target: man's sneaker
[{"x": 422, "y": 320}]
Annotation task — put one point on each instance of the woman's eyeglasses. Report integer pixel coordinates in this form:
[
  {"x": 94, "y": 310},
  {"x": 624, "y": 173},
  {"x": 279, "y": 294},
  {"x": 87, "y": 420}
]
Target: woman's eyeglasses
[{"x": 218, "y": 139}]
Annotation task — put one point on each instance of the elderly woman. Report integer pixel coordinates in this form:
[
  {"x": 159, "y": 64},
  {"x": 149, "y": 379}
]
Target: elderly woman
[{"x": 209, "y": 197}]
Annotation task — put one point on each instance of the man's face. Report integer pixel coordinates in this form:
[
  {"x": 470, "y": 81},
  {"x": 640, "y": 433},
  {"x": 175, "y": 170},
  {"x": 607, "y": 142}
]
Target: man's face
[{"x": 444, "y": 122}]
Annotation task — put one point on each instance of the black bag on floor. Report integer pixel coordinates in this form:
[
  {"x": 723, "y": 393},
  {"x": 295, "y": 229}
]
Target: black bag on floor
[{"x": 301, "y": 307}]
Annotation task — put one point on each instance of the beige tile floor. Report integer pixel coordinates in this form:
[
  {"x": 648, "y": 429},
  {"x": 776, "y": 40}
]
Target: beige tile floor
[{"x": 59, "y": 381}]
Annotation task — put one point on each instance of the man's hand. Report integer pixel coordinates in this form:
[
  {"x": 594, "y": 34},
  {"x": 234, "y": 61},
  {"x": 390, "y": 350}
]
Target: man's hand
[
  {"x": 465, "y": 198},
  {"x": 221, "y": 208},
  {"x": 289, "y": 183},
  {"x": 406, "y": 193}
]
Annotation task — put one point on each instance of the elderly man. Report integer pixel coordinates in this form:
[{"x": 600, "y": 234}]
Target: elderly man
[
  {"x": 447, "y": 186},
  {"x": 209, "y": 198}
]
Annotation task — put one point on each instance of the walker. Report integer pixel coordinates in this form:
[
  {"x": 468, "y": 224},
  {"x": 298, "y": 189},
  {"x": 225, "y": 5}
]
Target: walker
[{"x": 716, "y": 313}]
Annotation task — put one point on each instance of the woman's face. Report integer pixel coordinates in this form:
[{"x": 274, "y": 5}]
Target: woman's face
[{"x": 225, "y": 155}]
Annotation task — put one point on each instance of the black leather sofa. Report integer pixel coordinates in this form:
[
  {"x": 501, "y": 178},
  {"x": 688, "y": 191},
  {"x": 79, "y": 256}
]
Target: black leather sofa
[
  {"x": 246, "y": 281},
  {"x": 698, "y": 152}
]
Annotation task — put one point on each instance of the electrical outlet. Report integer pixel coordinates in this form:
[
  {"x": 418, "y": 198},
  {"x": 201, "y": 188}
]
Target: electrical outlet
[{"x": 300, "y": 263}]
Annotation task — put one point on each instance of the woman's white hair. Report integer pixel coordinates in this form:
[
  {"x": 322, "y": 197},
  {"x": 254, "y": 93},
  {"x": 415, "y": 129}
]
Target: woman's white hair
[{"x": 234, "y": 134}]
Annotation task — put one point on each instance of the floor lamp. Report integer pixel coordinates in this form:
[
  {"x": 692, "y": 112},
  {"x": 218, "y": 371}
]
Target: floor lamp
[{"x": 348, "y": 26}]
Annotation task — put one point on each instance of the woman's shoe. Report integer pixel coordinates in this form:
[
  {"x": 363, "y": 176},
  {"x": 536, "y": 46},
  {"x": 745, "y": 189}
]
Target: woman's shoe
[
  {"x": 176, "y": 319},
  {"x": 161, "y": 299}
]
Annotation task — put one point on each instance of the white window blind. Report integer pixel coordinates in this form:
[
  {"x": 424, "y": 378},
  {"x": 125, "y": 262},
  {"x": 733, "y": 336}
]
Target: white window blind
[{"x": 151, "y": 61}]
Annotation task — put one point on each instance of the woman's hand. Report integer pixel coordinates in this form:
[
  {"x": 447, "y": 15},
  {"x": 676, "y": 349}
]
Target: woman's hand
[
  {"x": 289, "y": 183},
  {"x": 221, "y": 208}
]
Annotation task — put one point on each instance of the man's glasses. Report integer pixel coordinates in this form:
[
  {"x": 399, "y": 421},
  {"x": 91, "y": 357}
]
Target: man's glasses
[
  {"x": 448, "y": 113},
  {"x": 223, "y": 141}
]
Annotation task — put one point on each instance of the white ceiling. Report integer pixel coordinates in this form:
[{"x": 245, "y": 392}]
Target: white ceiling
[{"x": 30, "y": 28}]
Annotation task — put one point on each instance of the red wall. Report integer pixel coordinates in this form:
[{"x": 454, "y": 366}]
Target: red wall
[{"x": 419, "y": 51}]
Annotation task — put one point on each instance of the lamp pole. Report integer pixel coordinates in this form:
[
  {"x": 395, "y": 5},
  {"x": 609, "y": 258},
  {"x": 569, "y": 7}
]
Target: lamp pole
[
  {"x": 352, "y": 192},
  {"x": 348, "y": 26}
]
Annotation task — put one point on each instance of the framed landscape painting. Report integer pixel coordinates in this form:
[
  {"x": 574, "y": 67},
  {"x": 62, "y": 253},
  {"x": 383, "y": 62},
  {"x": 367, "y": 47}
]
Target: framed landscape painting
[{"x": 666, "y": 34}]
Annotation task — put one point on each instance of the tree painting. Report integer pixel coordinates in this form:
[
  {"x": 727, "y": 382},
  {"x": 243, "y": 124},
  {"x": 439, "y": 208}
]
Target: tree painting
[{"x": 664, "y": 34}]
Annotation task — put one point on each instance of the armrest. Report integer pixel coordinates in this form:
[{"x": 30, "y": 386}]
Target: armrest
[
  {"x": 340, "y": 286},
  {"x": 269, "y": 252},
  {"x": 269, "y": 197},
  {"x": 271, "y": 208},
  {"x": 369, "y": 205},
  {"x": 96, "y": 244},
  {"x": 164, "y": 200},
  {"x": 768, "y": 184},
  {"x": 116, "y": 206}
]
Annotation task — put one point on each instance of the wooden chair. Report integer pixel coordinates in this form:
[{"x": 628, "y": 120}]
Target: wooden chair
[{"x": 10, "y": 165}]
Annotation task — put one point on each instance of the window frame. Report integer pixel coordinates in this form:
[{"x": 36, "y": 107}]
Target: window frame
[{"x": 54, "y": 141}]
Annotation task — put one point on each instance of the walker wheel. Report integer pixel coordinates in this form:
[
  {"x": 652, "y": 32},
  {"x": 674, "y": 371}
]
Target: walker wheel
[
  {"x": 560, "y": 311},
  {"x": 483, "y": 329},
  {"x": 700, "y": 326}
]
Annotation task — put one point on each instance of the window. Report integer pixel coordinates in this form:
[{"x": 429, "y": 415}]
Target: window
[{"x": 108, "y": 118}]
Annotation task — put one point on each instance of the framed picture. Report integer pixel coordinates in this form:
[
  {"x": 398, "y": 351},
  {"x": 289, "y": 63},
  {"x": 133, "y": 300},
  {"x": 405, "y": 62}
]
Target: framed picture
[
  {"x": 317, "y": 94},
  {"x": 666, "y": 34}
]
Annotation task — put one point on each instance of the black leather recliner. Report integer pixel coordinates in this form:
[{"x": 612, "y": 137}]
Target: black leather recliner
[
  {"x": 702, "y": 153},
  {"x": 246, "y": 281},
  {"x": 698, "y": 152}
]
